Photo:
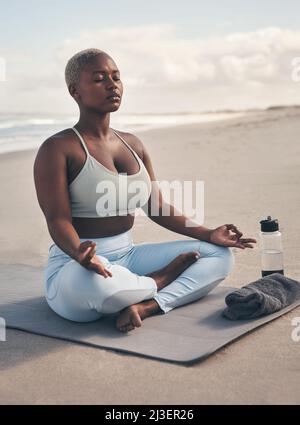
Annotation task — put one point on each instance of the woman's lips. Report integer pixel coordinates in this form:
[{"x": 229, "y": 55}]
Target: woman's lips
[{"x": 114, "y": 98}]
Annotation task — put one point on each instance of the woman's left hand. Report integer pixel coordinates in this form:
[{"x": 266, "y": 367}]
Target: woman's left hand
[{"x": 221, "y": 236}]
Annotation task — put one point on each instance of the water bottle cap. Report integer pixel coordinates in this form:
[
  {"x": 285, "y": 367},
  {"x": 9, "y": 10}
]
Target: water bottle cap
[{"x": 269, "y": 225}]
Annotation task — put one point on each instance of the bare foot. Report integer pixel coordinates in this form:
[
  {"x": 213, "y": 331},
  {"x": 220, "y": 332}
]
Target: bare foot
[{"x": 132, "y": 316}]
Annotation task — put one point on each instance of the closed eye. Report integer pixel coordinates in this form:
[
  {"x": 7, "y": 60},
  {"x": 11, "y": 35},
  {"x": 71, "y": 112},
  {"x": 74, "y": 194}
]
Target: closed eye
[{"x": 98, "y": 81}]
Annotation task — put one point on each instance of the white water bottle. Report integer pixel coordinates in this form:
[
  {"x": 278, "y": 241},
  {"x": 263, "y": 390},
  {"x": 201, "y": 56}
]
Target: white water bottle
[{"x": 271, "y": 247}]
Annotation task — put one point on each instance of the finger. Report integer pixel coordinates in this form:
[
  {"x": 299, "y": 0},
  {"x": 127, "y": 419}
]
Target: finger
[
  {"x": 91, "y": 253},
  {"x": 93, "y": 248},
  {"x": 83, "y": 248},
  {"x": 93, "y": 245},
  {"x": 234, "y": 228},
  {"x": 84, "y": 245},
  {"x": 248, "y": 240},
  {"x": 105, "y": 272},
  {"x": 88, "y": 252},
  {"x": 86, "y": 259},
  {"x": 248, "y": 245},
  {"x": 109, "y": 273},
  {"x": 239, "y": 245},
  {"x": 98, "y": 270},
  {"x": 236, "y": 236}
]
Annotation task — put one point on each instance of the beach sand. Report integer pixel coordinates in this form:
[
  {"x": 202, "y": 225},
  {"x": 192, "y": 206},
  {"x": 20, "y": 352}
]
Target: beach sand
[{"x": 251, "y": 168}]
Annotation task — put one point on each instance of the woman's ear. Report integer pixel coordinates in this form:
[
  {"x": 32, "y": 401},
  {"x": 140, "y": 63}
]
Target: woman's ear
[{"x": 73, "y": 91}]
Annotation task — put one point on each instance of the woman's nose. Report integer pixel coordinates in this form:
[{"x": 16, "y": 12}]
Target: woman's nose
[{"x": 112, "y": 84}]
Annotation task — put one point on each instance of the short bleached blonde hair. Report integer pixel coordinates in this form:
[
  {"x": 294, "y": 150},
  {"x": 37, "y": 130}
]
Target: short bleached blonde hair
[{"x": 77, "y": 62}]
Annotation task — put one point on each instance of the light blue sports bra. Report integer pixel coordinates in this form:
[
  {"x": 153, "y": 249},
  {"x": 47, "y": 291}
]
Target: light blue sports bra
[{"x": 99, "y": 192}]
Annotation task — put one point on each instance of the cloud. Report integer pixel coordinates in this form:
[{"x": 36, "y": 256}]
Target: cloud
[{"x": 155, "y": 57}]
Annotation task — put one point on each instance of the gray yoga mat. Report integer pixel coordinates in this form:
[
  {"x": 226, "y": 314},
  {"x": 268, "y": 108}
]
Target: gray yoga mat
[{"x": 184, "y": 335}]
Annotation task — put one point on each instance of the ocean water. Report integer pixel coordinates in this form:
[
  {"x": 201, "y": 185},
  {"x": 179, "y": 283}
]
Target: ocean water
[{"x": 27, "y": 131}]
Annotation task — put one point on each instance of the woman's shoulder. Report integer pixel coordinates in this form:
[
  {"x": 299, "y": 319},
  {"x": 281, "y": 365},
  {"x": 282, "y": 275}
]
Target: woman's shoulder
[
  {"x": 133, "y": 141},
  {"x": 64, "y": 134},
  {"x": 59, "y": 142}
]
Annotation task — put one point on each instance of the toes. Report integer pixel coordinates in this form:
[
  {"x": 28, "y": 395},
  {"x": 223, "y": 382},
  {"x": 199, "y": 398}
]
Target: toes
[
  {"x": 120, "y": 325},
  {"x": 130, "y": 327},
  {"x": 122, "y": 328},
  {"x": 125, "y": 328},
  {"x": 136, "y": 321},
  {"x": 125, "y": 324},
  {"x": 121, "y": 322}
]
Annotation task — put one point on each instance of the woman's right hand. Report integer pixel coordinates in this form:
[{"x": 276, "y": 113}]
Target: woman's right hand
[{"x": 87, "y": 258}]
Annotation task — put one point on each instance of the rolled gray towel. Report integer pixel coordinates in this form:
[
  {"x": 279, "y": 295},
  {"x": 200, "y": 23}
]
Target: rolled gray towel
[{"x": 261, "y": 297}]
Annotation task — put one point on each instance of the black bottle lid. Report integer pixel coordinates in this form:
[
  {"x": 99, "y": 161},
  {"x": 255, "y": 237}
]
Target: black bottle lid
[{"x": 269, "y": 225}]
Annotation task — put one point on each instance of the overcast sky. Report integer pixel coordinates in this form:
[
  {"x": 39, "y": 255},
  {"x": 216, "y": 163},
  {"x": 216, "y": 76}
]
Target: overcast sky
[{"x": 173, "y": 56}]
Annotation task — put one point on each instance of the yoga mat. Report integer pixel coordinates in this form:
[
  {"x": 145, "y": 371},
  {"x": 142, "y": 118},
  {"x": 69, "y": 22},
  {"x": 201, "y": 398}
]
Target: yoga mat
[{"x": 184, "y": 335}]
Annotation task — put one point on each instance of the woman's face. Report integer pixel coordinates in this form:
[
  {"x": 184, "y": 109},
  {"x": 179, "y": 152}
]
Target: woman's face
[{"x": 99, "y": 79}]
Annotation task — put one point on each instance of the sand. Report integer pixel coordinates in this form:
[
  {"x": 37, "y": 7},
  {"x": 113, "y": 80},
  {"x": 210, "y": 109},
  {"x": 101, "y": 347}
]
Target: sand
[{"x": 250, "y": 167}]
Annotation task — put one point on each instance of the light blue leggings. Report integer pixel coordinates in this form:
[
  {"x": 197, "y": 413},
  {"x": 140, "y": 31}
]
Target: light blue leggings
[{"x": 78, "y": 294}]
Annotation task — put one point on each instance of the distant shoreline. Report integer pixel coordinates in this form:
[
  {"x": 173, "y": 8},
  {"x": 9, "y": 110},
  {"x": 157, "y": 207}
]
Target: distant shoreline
[
  {"x": 211, "y": 111},
  {"x": 19, "y": 133}
]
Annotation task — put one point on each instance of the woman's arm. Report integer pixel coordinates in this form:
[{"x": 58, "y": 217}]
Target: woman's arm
[
  {"x": 50, "y": 177},
  {"x": 225, "y": 235},
  {"x": 177, "y": 223}
]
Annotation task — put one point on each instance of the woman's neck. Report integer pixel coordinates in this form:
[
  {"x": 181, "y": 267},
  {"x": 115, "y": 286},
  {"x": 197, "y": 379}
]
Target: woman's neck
[{"x": 95, "y": 124}]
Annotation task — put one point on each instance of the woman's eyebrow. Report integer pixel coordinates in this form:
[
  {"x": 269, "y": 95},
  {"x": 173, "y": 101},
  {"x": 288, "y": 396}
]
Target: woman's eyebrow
[{"x": 101, "y": 70}]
